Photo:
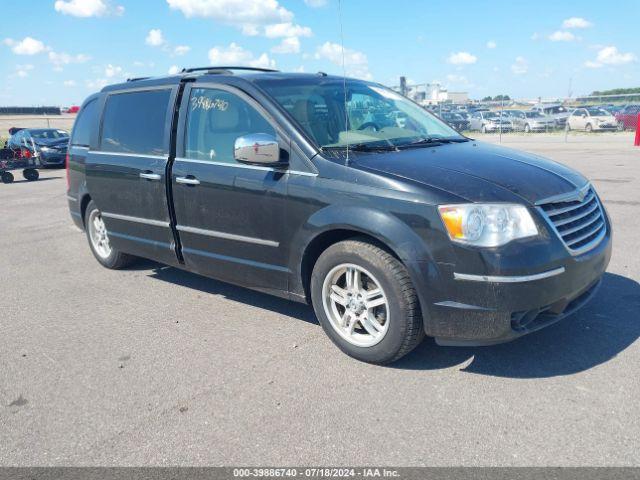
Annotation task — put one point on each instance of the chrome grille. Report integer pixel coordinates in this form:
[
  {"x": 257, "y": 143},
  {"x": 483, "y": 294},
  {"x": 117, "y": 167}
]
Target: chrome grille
[{"x": 579, "y": 223}]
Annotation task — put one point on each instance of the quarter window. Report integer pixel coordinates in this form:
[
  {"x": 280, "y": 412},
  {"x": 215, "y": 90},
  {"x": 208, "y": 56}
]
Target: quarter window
[
  {"x": 215, "y": 119},
  {"x": 81, "y": 134},
  {"x": 135, "y": 122}
]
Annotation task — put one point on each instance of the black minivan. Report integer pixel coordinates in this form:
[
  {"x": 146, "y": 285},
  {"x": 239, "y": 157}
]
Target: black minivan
[{"x": 340, "y": 193}]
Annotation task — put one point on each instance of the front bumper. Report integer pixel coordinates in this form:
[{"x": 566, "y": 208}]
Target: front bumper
[
  {"x": 53, "y": 159},
  {"x": 541, "y": 284}
]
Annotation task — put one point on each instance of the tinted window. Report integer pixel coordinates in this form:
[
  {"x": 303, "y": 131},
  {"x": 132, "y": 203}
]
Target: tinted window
[
  {"x": 135, "y": 122},
  {"x": 84, "y": 123},
  {"x": 215, "y": 119}
]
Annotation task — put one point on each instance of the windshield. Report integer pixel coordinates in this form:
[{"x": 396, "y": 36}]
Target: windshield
[
  {"x": 48, "y": 134},
  {"x": 374, "y": 114},
  {"x": 558, "y": 109},
  {"x": 598, "y": 112},
  {"x": 533, "y": 115},
  {"x": 491, "y": 115}
]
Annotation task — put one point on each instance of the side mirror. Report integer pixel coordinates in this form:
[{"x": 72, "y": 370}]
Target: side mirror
[
  {"x": 584, "y": 115},
  {"x": 257, "y": 148}
]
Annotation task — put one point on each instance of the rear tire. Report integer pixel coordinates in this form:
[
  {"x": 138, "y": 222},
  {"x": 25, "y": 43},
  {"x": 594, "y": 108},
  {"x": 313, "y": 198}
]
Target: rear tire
[
  {"x": 527, "y": 128},
  {"x": 7, "y": 177},
  {"x": 98, "y": 238},
  {"x": 30, "y": 174},
  {"x": 375, "y": 317}
]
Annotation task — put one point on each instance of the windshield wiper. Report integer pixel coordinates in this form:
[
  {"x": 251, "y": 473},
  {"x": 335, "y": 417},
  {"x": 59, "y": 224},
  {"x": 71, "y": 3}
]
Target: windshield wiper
[{"x": 363, "y": 147}]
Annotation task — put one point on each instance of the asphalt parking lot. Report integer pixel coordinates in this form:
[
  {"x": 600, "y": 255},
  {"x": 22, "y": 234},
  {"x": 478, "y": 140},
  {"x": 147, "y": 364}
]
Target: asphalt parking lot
[{"x": 156, "y": 366}]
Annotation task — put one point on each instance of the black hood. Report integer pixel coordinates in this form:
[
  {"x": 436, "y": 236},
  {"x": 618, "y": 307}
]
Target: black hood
[
  {"x": 476, "y": 171},
  {"x": 53, "y": 142}
]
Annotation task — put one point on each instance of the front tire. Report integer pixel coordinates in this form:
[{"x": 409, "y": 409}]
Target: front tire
[
  {"x": 366, "y": 302},
  {"x": 588, "y": 128},
  {"x": 98, "y": 237}
]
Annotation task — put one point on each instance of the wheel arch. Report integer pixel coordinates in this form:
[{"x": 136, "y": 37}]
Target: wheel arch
[
  {"x": 84, "y": 202},
  {"x": 335, "y": 224}
]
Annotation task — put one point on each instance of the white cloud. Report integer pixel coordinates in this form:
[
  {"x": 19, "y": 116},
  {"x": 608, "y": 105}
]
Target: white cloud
[
  {"x": 174, "y": 69},
  {"x": 520, "y": 67},
  {"x": 562, "y": 36},
  {"x": 155, "y": 38},
  {"x": 23, "y": 70},
  {"x": 69, "y": 83},
  {"x": 113, "y": 71},
  {"x": 453, "y": 78},
  {"x": 316, "y": 3},
  {"x": 535, "y": 36},
  {"x": 60, "y": 59},
  {"x": 87, "y": 8},
  {"x": 287, "y": 45},
  {"x": 235, "y": 55},
  {"x": 247, "y": 15},
  {"x": 576, "y": 22},
  {"x": 462, "y": 58},
  {"x": 611, "y": 56},
  {"x": 97, "y": 84},
  {"x": 26, "y": 46},
  {"x": 181, "y": 50},
  {"x": 356, "y": 63},
  {"x": 491, "y": 44},
  {"x": 286, "y": 29}
]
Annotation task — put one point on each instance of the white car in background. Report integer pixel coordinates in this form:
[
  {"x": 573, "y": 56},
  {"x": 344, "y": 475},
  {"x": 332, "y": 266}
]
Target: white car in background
[{"x": 591, "y": 119}]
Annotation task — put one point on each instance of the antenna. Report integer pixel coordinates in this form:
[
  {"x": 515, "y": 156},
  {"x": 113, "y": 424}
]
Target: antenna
[{"x": 344, "y": 81}]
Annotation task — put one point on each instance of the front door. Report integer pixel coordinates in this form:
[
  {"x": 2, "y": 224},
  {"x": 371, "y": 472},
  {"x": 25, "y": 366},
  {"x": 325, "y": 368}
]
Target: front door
[
  {"x": 230, "y": 216},
  {"x": 126, "y": 174}
]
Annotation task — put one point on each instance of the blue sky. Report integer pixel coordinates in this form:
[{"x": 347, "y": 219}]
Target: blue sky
[{"x": 59, "y": 51}]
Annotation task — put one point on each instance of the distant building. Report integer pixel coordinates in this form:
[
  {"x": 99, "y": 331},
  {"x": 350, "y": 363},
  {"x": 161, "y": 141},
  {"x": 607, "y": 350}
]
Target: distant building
[{"x": 430, "y": 93}]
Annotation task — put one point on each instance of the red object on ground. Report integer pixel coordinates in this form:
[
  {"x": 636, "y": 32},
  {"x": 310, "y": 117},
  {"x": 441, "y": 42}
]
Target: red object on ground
[
  {"x": 74, "y": 109},
  {"x": 637, "y": 142}
]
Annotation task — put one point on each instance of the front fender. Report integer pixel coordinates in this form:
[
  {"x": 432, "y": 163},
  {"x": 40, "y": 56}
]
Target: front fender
[{"x": 385, "y": 227}]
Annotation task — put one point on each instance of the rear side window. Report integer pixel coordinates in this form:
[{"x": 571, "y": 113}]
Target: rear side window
[
  {"x": 135, "y": 122},
  {"x": 85, "y": 121}
]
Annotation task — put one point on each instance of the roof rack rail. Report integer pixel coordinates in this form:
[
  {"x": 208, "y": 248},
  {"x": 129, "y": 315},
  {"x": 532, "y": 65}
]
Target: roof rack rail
[
  {"x": 137, "y": 79},
  {"x": 226, "y": 69}
]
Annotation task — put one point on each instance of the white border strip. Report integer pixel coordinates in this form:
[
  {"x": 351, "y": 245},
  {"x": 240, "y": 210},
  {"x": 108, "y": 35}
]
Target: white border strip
[
  {"x": 127, "y": 218},
  {"x": 511, "y": 279},
  {"x": 227, "y": 236}
]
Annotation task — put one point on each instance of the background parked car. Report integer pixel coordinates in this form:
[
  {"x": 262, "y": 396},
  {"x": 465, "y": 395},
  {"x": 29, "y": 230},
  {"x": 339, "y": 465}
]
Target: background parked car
[
  {"x": 48, "y": 144},
  {"x": 486, "y": 122},
  {"x": 529, "y": 121},
  {"x": 627, "y": 118},
  {"x": 455, "y": 120},
  {"x": 558, "y": 112},
  {"x": 591, "y": 119}
]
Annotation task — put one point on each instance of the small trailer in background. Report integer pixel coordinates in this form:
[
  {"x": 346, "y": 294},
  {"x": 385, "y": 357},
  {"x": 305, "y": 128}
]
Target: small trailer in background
[{"x": 18, "y": 159}]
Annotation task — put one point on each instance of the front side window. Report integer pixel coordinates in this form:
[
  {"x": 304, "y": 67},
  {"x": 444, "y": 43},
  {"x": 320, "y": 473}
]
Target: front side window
[
  {"x": 215, "y": 119},
  {"x": 134, "y": 122},
  {"x": 362, "y": 113}
]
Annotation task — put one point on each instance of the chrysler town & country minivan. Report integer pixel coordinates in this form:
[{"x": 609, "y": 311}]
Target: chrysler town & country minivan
[{"x": 297, "y": 185}]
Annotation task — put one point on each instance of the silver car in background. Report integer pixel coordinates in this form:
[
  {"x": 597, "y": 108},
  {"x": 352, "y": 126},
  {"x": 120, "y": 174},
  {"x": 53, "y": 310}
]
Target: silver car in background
[
  {"x": 489, "y": 122},
  {"x": 558, "y": 112},
  {"x": 530, "y": 121}
]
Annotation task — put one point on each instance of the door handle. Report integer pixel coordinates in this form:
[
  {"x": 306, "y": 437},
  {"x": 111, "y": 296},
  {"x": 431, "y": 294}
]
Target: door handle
[
  {"x": 187, "y": 180},
  {"x": 150, "y": 176}
]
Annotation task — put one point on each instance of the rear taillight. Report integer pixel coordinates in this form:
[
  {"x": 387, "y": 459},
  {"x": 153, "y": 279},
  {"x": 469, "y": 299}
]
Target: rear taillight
[
  {"x": 25, "y": 153},
  {"x": 66, "y": 166}
]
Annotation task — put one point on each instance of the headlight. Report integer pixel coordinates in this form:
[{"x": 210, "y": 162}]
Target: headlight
[
  {"x": 487, "y": 225},
  {"x": 45, "y": 149}
]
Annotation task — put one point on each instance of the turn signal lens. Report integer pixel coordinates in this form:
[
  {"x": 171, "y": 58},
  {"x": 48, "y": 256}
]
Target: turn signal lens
[
  {"x": 487, "y": 225},
  {"x": 452, "y": 218}
]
